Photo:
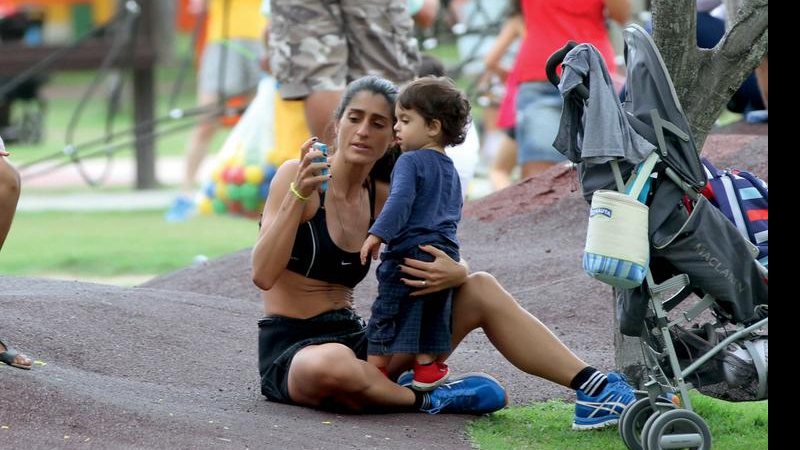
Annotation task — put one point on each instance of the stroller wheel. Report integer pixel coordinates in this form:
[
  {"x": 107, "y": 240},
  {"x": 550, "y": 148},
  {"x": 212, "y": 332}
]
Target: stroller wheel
[
  {"x": 646, "y": 429},
  {"x": 679, "y": 428},
  {"x": 633, "y": 420}
]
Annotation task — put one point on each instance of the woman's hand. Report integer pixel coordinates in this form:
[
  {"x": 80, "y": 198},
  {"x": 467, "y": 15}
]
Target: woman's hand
[
  {"x": 308, "y": 177},
  {"x": 429, "y": 277}
]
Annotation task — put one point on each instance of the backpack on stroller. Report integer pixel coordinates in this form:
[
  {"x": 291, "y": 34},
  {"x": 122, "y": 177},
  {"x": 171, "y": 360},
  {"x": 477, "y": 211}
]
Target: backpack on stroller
[{"x": 643, "y": 148}]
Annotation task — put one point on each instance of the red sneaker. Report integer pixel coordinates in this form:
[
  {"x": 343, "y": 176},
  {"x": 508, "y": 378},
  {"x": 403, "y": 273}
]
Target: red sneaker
[{"x": 429, "y": 376}]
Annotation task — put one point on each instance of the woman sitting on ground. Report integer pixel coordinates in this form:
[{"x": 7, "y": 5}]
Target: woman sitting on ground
[{"x": 312, "y": 344}]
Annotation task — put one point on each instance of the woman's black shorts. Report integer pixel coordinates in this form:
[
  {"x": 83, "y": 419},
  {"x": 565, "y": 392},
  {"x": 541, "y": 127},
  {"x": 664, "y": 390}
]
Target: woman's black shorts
[{"x": 280, "y": 338}]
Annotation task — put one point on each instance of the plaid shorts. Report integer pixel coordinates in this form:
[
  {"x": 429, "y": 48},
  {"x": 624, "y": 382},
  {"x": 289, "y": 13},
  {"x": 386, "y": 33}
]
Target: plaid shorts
[
  {"x": 321, "y": 45},
  {"x": 280, "y": 338},
  {"x": 404, "y": 324}
]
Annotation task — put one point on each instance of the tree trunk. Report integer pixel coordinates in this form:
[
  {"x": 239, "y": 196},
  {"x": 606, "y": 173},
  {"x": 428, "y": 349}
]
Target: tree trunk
[
  {"x": 628, "y": 357},
  {"x": 705, "y": 79}
]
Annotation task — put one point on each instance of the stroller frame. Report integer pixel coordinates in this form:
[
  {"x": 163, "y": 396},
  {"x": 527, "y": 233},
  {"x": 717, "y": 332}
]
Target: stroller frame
[{"x": 656, "y": 419}]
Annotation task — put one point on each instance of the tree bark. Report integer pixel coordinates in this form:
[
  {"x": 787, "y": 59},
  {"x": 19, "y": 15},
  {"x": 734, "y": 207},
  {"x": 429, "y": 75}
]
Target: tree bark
[
  {"x": 705, "y": 79},
  {"x": 628, "y": 358}
]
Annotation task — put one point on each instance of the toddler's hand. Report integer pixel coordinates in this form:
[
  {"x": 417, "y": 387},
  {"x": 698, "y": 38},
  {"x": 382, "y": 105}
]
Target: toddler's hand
[{"x": 371, "y": 246}]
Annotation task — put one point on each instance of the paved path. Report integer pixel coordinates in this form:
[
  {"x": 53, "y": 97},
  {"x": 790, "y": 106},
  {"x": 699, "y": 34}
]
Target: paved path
[{"x": 38, "y": 191}]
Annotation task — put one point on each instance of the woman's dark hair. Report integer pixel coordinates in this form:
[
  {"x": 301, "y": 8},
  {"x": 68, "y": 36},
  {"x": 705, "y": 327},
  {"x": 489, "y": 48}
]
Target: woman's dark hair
[
  {"x": 382, "y": 169},
  {"x": 371, "y": 83},
  {"x": 438, "y": 98}
]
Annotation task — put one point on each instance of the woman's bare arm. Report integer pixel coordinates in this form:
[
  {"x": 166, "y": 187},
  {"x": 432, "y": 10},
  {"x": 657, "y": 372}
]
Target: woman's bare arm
[
  {"x": 513, "y": 28},
  {"x": 281, "y": 217},
  {"x": 619, "y": 10},
  {"x": 283, "y": 213}
]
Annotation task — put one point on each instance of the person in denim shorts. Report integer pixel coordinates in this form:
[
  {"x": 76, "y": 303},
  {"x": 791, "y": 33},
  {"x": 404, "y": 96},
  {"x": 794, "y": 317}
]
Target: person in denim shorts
[
  {"x": 549, "y": 25},
  {"x": 318, "y": 46}
]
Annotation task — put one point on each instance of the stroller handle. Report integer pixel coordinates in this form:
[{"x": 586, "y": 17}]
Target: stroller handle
[{"x": 557, "y": 58}]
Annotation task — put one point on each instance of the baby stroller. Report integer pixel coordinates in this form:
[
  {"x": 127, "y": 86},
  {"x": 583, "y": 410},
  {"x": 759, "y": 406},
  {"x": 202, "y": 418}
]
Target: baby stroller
[
  {"x": 23, "y": 123},
  {"x": 690, "y": 247}
]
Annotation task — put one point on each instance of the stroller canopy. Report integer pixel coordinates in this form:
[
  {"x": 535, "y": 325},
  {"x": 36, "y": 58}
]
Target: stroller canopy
[{"x": 653, "y": 108}]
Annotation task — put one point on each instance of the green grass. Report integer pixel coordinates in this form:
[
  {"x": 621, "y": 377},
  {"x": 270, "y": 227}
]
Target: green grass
[
  {"x": 116, "y": 244},
  {"x": 546, "y": 426}
]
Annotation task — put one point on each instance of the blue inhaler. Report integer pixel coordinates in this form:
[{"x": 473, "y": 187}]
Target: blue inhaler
[{"x": 324, "y": 149}]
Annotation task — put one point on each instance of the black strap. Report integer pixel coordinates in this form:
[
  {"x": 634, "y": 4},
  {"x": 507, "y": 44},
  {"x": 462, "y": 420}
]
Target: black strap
[{"x": 371, "y": 189}]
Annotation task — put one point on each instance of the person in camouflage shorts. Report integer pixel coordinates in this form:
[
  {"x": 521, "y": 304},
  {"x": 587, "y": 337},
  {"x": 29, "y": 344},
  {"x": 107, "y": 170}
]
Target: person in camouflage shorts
[{"x": 318, "y": 46}]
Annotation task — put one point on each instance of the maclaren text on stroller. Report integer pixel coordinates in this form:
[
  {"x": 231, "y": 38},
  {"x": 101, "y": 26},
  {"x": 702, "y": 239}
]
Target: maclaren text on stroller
[{"x": 657, "y": 240}]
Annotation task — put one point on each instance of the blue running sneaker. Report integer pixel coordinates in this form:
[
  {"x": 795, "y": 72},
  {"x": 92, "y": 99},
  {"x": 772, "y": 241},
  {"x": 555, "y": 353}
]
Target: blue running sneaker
[
  {"x": 182, "y": 208},
  {"x": 604, "y": 409},
  {"x": 406, "y": 378},
  {"x": 473, "y": 393},
  {"x": 757, "y": 116}
]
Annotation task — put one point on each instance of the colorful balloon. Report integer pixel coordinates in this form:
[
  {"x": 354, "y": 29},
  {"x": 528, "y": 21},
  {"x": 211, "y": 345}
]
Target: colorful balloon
[
  {"x": 250, "y": 203},
  {"x": 234, "y": 192},
  {"x": 237, "y": 174},
  {"x": 253, "y": 175},
  {"x": 221, "y": 191},
  {"x": 208, "y": 189},
  {"x": 235, "y": 207},
  {"x": 219, "y": 206},
  {"x": 263, "y": 190},
  {"x": 205, "y": 206},
  {"x": 269, "y": 171}
]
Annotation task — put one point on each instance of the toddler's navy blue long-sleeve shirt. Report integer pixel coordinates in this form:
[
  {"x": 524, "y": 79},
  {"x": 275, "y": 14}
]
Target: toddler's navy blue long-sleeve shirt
[{"x": 424, "y": 204}]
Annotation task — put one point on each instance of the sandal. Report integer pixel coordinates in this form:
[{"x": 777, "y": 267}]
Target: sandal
[{"x": 10, "y": 357}]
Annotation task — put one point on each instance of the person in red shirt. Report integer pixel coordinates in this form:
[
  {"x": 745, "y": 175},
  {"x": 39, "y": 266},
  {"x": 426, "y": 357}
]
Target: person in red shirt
[{"x": 548, "y": 26}]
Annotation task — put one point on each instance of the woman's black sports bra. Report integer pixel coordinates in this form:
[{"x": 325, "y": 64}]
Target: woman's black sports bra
[{"x": 315, "y": 255}]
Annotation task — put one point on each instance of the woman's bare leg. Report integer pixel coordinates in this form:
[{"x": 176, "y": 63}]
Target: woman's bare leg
[
  {"x": 9, "y": 195},
  {"x": 525, "y": 341},
  {"x": 380, "y": 361},
  {"x": 332, "y": 373},
  {"x": 504, "y": 162},
  {"x": 534, "y": 168}
]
